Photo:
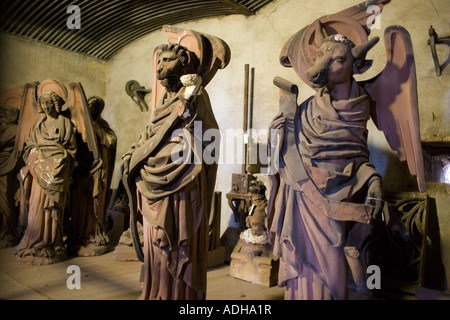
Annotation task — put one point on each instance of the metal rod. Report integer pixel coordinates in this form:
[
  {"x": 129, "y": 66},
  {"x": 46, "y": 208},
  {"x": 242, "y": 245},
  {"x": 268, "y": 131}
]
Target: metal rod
[
  {"x": 432, "y": 43},
  {"x": 250, "y": 111},
  {"x": 252, "y": 158},
  {"x": 245, "y": 124}
]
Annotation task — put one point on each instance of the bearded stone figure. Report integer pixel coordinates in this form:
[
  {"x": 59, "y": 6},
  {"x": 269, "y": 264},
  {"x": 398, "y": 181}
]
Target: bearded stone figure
[
  {"x": 49, "y": 155},
  {"x": 175, "y": 198}
]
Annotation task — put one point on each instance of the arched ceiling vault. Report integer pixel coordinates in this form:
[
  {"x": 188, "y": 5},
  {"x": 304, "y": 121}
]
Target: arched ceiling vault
[{"x": 107, "y": 26}]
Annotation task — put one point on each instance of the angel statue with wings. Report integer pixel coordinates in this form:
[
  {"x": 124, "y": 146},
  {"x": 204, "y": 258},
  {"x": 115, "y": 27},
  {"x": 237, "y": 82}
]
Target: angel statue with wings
[
  {"x": 175, "y": 198},
  {"x": 49, "y": 154},
  {"x": 325, "y": 193},
  {"x": 47, "y": 141}
]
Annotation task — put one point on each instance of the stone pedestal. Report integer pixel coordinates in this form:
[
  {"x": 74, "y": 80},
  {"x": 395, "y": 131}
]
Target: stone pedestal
[
  {"x": 89, "y": 250},
  {"x": 254, "y": 266},
  {"x": 125, "y": 253}
]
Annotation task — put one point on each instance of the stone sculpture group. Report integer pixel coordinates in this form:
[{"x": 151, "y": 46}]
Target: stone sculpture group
[{"x": 324, "y": 193}]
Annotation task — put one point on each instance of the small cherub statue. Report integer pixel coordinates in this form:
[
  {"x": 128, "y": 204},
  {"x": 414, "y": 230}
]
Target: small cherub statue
[{"x": 256, "y": 238}]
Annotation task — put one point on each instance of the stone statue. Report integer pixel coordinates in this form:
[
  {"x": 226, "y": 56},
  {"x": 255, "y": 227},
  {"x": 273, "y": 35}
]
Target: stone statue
[
  {"x": 12, "y": 224},
  {"x": 175, "y": 198},
  {"x": 91, "y": 186},
  {"x": 256, "y": 237},
  {"x": 252, "y": 258},
  {"x": 8, "y": 181},
  {"x": 325, "y": 192},
  {"x": 49, "y": 154},
  {"x": 24, "y": 99}
]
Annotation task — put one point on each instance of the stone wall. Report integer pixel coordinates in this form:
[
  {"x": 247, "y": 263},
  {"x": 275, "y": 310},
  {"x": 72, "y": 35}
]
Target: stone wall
[{"x": 23, "y": 61}]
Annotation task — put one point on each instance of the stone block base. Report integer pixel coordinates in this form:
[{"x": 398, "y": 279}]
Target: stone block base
[
  {"x": 258, "y": 269},
  {"x": 125, "y": 253}
]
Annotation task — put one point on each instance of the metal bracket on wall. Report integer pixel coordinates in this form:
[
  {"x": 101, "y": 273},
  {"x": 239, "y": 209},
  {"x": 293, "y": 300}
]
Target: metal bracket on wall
[
  {"x": 432, "y": 42},
  {"x": 137, "y": 94}
]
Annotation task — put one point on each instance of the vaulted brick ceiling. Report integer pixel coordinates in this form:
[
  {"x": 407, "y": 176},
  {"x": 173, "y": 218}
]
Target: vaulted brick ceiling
[{"x": 108, "y": 26}]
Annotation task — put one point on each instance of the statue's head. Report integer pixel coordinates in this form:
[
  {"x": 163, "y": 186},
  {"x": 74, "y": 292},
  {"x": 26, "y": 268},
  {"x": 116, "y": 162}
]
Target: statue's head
[
  {"x": 257, "y": 190},
  {"x": 49, "y": 102},
  {"x": 174, "y": 61},
  {"x": 337, "y": 57},
  {"x": 96, "y": 106}
]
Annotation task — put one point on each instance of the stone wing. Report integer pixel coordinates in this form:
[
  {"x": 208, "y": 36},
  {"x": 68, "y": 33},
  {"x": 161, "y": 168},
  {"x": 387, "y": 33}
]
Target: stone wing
[
  {"x": 81, "y": 117},
  {"x": 395, "y": 103},
  {"x": 28, "y": 117}
]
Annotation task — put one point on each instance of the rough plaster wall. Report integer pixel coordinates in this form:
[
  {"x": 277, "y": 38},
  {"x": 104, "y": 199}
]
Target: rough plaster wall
[{"x": 23, "y": 61}]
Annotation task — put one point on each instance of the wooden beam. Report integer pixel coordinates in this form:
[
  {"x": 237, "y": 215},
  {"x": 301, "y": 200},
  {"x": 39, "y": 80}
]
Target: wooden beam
[{"x": 238, "y": 7}]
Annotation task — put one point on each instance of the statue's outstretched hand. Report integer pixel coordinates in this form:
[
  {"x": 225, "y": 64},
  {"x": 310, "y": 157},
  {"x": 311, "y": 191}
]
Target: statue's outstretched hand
[
  {"x": 379, "y": 210},
  {"x": 374, "y": 198}
]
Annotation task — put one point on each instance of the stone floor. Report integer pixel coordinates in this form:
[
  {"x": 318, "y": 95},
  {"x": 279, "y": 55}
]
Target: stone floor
[{"x": 103, "y": 278}]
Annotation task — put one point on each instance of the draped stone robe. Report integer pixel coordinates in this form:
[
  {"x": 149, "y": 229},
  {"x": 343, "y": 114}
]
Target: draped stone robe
[
  {"x": 7, "y": 183},
  {"x": 175, "y": 201},
  {"x": 49, "y": 152},
  {"x": 91, "y": 188},
  {"x": 309, "y": 215}
]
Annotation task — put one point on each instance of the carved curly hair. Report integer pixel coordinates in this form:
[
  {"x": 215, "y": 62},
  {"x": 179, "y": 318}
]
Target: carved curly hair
[
  {"x": 57, "y": 100},
  {"x": 339, "y": 38},
  {"x": 258, "y": 187},
  {"x": 188, "y": 59}
]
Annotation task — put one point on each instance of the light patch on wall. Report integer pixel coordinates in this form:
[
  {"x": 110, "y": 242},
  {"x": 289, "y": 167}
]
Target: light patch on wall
[{"x": 445, "y": 177}]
